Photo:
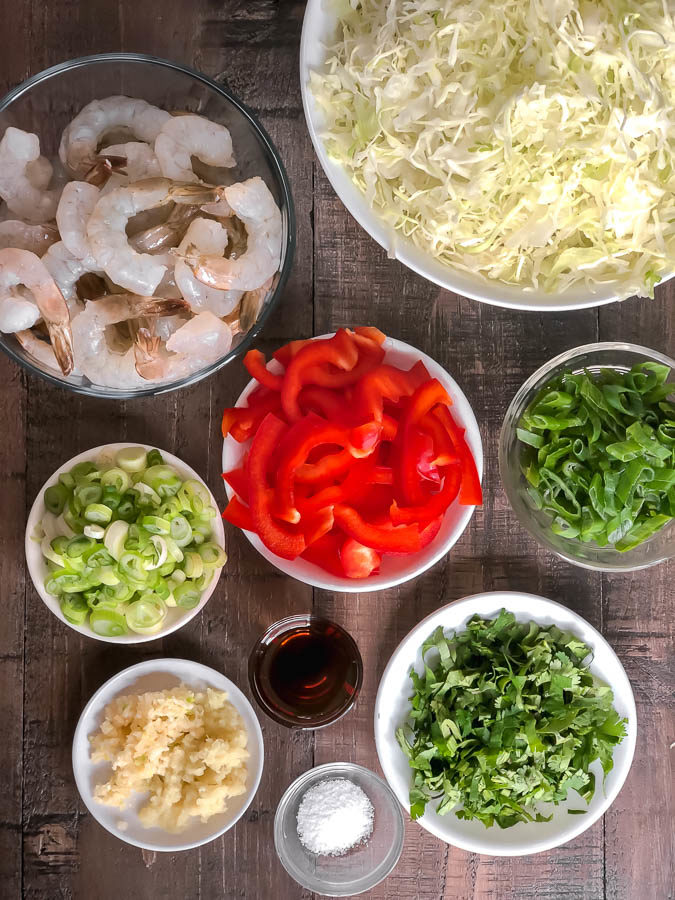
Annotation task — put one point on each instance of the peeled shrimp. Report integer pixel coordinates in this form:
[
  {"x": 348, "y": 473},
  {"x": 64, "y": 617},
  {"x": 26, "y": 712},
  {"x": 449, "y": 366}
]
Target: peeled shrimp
[
  {"x": 183, "y": 137},
  {"x": 40, "y": 350},
  {"x": 253, "y": 203},
  {"x": 208, "y": 237},
  {"x": 17, "y": 313},
  {"x": 166, "y": 234},
  {"x": 95, "y": 359},
  {"x": 21, "y": 267},
  {"x": 24, "y": 176},
  {"x": 36, "y": 238},
  {"x": 199, "y": 343},
  {"x": 106, "y": 233},
  {"x": 139, "y": 160},
  {"x": 75, "y": 206},
  {"x": 66, "y": 270},
  {"x": 81, "y": 139}
]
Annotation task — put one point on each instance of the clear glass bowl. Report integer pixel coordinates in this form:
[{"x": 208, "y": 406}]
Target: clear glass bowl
[
  {"x": 658, "y": 548},
  {"x": 361, "y": 868},
  {"x": 47, "y": 102}
]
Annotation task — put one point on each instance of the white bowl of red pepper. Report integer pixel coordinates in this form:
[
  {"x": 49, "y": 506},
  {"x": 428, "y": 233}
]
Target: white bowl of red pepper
[{"x": 347, "y": 473}]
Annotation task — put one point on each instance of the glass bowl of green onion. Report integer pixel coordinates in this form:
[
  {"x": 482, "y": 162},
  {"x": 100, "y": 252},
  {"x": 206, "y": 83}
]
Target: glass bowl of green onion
[
  {"x": 587, "y": 456},
  {"x": 124, "y": 543}
]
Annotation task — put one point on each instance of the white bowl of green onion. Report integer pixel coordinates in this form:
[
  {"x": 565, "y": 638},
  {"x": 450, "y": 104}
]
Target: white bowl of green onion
[{"x": 124, "y": 543}]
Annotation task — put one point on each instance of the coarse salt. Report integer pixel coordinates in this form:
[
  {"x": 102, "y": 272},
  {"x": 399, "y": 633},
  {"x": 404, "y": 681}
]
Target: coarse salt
[{"x": 334, "y": 816}]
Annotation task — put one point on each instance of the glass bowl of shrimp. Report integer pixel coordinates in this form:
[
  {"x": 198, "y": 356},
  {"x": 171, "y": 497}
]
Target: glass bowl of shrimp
[{"x": 147, "y": 227}]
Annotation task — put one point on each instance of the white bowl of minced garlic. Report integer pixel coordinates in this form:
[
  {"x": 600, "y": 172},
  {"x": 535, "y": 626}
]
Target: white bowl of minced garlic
[{"x": 168, "y": 754}]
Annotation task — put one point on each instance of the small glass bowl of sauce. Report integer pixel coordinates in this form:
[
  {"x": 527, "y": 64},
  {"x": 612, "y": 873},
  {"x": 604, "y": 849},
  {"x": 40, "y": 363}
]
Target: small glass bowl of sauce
[{"x": 305, "y": 671}]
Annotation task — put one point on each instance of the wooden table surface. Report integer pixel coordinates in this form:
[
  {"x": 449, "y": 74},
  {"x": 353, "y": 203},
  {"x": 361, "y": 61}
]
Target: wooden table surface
[{"x": 50, "y": 847}]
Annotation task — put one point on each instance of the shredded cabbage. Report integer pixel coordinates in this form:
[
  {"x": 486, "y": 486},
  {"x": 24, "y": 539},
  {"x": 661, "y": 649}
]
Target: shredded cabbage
[{"x": 530, "y": 141}]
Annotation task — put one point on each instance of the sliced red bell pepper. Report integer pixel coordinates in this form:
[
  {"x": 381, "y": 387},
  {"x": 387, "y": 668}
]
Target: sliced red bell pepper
[
  {"x": 359, "y": 561},
  {"x": 389, "y": 428},
  {"x": 364, "y": 439},
  {"x": 430, "y": 531},
  {"x": 426, "y": 397},
  {"x": 242, "y": 421},
  {"x": 369, "y": 331},
  {"x": 414, "y": 467},
  {"x": 470, "y": 491},
  {"x": 370, "y": 355},
  {"x": 347, "y": 491},
  {"x": 325, "y": 553},
  {"x": 435, "y": 505},
  {"x": 275, "y": 537},
  {"x": 256, "y": 366},
  {"x": 373, "y": 500},
  {"x": 236, "y": 513},
  {"x": 315, "y": 526},
  {"x": 418, "y": 374},
  {"x": 382, "y": 475},
  {"x": 286, "y": 353},
  {"x": 383, "y": 383},
  {"x": 340, "y": 351},
  {"x": 238, "y": 481},
  {"x": 404, "y": 539},
  {"x": 444, "y": 451},
  {"x": 326, "y": 469},
  {"x": 330, "y": 404}
]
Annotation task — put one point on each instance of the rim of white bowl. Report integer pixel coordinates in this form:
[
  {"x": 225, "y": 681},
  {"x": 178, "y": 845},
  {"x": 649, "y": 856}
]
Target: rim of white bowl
[
  {"x": 318, "y": 14},
  {"x": 204, "y": 673},
  {"x": 416, "y": 637},
  {"x": 310, "y": 574},
  {"x": 34, "y": 556}
]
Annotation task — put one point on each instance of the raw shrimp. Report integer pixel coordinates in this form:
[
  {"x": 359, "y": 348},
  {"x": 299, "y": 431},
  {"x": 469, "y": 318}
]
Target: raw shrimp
[
  {"x": 21, "y": 267},
  {"x": 208, "y": 237},
  {"x": 106, "y": 233},
  {"x": 95, "y": 359},
  {"x": 36, "y": 238},
  {"x": 66, "y": 270},
  {"x": 75, "y": 206},
  {"x": 139, "y": 160},
  {"x": 166, "y": 234},
  {"x": 81, "y": 139},
  {"x": 200, "y": 342},
  {"x": 22, "y": 183},
  {"x": 253, "y": 203},
  {"x": 183, "y": 137},
  {"x": 40, "y": 350},
  {"x": 17, "y": 312}
]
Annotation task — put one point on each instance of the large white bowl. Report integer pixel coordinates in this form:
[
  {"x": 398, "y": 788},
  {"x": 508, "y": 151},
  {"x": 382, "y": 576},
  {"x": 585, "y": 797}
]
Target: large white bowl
[
  {"x": 392, "y": 707},
  {"x": 37, "y": 564},
  {"x": 394, "y": 569},
  {"x": 318, "y": 29},
  {"x": 160, "y": 675}
]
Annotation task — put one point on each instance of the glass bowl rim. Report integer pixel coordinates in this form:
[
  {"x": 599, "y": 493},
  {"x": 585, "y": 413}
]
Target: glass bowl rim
[
  {"x": 282, "y": 180},
  {"x": 529, "y": 385},
  {"x": 338, "y": 769},
  {"x": 288, "y": 621}
]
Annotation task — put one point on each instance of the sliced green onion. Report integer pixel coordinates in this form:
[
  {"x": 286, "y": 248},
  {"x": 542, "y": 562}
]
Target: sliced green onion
[
  {"x": 212, "y": 555},
  {"x": 111, "y": 497},
  {"x": 178, "y": 576},
  {"x": 161, "y": 554},
  {"x": 193, "y": 565},
  {"x": 116, "y": 478},
  {"x": 67, "y": 480},
  {"x": 132, "y": 459},
  {"x": 48, "y": 551},
  {"x": 155, "y": 458},
  {"x": 181, "y": 531},
  {"x": 156, "y": 524},
  {"x": 94, "y": 531},
  {"x": 115, "y": 536},
  {"x": 186, "y": 595},
  {"x": 98, "y": 513},
  {"x": 74, "y": 608},
  {"x": 55, "y": 498},
  {"x": 85, "y": 494},
  {"x": 108, "y": 623},
  {"x": 146, "y": 495},
  {"x": 127, "y": 508},
  {"x": 146, "y": 615},
  {"x": 82, "y": 469},
  {"x": 78, "y": 544},
  {"x": 131, "y": 565}
]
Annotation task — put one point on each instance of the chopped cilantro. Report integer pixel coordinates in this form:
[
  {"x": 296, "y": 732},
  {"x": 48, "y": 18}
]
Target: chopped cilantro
[{"x": 506, "y": 716}]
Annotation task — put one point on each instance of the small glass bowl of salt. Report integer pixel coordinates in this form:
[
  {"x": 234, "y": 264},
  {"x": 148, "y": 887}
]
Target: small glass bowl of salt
[{"x": 339, "y": 830}]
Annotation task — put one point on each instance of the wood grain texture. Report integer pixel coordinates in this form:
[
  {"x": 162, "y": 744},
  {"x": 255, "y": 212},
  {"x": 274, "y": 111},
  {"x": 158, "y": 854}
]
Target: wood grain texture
[{"x": 50, "y": 847}]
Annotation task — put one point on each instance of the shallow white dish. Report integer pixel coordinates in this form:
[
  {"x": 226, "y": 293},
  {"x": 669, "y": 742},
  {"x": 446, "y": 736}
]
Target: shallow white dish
[
  {"x": 318, "y": 29},
  {"x": 37, "y": 565},
  {"x": 158, "y": 675},
  {"x": 392, "y": 705},
  {"x": 394, "y": 570}
]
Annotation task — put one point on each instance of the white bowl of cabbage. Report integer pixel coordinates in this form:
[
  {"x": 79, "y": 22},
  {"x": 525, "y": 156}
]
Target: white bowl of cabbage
[
  {"x": 516, "y": 154},
  {"x": 124, "y": 543}
]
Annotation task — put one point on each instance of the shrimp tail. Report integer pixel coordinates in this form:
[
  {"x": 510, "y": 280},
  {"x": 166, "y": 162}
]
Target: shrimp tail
[
  {"x": 146, "y": 352},
  {"x": 61, "y": 337},
  {"x": 157, "y": 306},
  {"x": 195, "y": 194},
  {"x": 102, "y": 167}
]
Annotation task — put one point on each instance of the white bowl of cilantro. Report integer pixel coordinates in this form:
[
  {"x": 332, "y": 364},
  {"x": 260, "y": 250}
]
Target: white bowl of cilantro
[
  {"x": 124, "y": 543},
  {"x": 484, "y": 147},
  {"x": 507, "y": 758}
]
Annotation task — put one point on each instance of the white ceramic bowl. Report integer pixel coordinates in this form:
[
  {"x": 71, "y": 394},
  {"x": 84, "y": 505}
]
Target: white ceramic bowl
[
  {"x": 318, "y": 29},
  {"x": 159, "y": 675},
  {"x": 394, "y": 570},
  {"x": 37, "y": 565},
  {"x": 391, "y": 711}
]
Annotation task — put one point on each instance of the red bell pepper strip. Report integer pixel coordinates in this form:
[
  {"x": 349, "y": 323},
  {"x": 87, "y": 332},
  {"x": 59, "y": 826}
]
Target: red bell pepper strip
[
  {"x": 275, "y": 537},
  {"x": 340, "y": 351},
  {"x": 324, "y": 401},
  {"x": 370, "y": 355},
  {"x": 369, "y": 331},
  {"x": 286, "y": 353},
  {"x": 358, "y": 561},
  {"x": 236, "y": 513},
  {"x": 426, "y": 397},
  {"x": 415, "y": 453},
  {"x": 383, "y": 383},
  {"x": 347, "y": 491},
  {"x": 256, "y": 366},
  {"x": 418, "y": 374},
  {"x": 238, "y": 481},
  {"x": 444, "y": 451},
  {"x": 382, "y": 475},
  {"x": 470, "y": 491},
  {"x": 364, "y": 439},
  {"x": 430, "y": 531},
  {"x": 389, "y": 427},
  {"x": 326, "y": 469},
  {"x": 402, "y": 540},
  {"x": 435, "y": 505},
  {"x": 317, "y": 525},
  {"x": 325, "y": 553},
  {"x": 242, "y": 421}
]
